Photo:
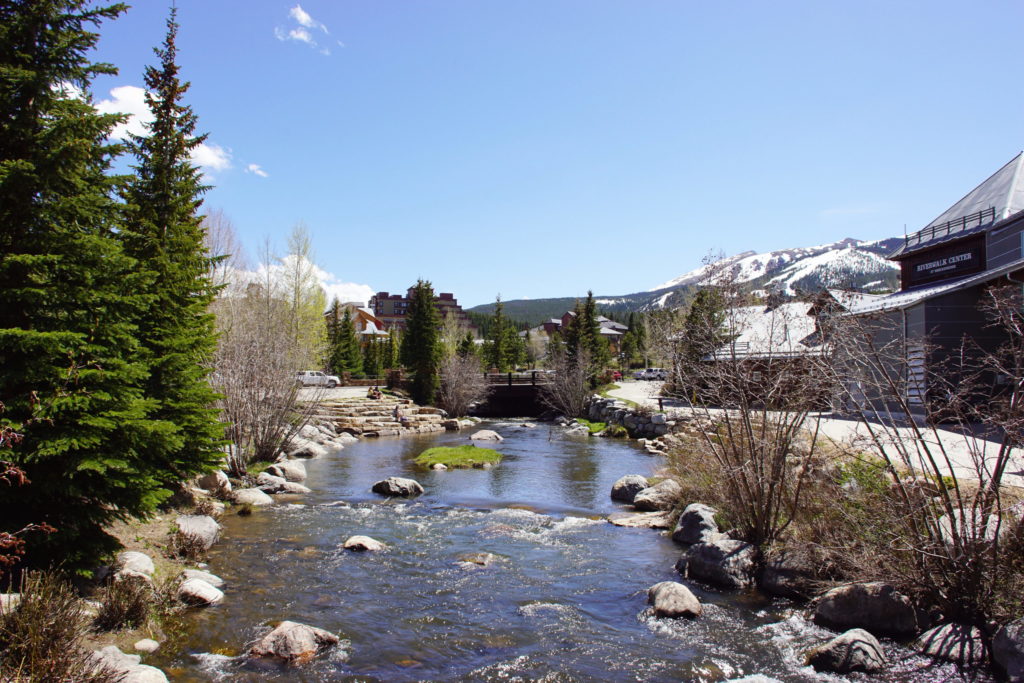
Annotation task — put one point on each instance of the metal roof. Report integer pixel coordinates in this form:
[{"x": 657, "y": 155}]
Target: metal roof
[
  {"x": 909, "y": 297},
  {"x": 996, "y": 199}
]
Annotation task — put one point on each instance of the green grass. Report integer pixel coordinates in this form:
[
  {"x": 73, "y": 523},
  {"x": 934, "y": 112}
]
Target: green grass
[
  {"x": 457, "y": 456},
  {"x": 594, "y": 427}
]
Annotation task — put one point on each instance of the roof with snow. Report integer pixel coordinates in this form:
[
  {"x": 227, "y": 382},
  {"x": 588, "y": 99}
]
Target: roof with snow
[
  {"x": 769, "y": 332},
  {"x": 995, "y": 200}
]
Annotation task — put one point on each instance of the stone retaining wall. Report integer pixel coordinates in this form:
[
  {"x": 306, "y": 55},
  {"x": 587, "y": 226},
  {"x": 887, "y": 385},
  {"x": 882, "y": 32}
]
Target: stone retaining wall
[{"x": 638, "y": 423}]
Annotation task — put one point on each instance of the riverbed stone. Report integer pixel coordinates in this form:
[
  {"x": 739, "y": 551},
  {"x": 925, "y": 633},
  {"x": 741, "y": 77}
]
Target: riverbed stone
[
  {"x": 696, "y": 525},
  {"x": 129, "y": 666},
  {"x": 626, "y": 488},
  {"x": 134, "y": 561},
  {"x": 201, "y": 529},
  {"x": 251, "y": 497},
  {"x": 344, "y": 438},
  {"x": 209, "y": 578},
  {"x": 875, "y": 606},
  {"x": 854, "y": 650},
  {"x": 956, "y": 643},
  {"x": 790, "y": 574},
  {"x": 439, "y": 466},
  {"x": 305, "y": 448},
  {"x": 147, "y": 645},
  {"x": 486, "y": 435},
  {"x": 398, "y": 487},
  {"x": 664, "y": 495},
  {"x": 364, "y": 544},
  {"x": 9, "y": 602},
  {"x": 269, "y": 483},
  {"x": 724, "y": 562},
  {"x": 1008, "y": 650},
  {"x": 641, "y": 520},
  {"x": 291, "y": 470},
  {"x": 659, "y": 419},
  {"x": 475, "y": 560},
  {"x": 292, "y": 487},
  {"x": 217, "y": 483},
  {"x": 673, "y": 599},
  {"x": 198, "y": 593},
  {"x": 294, "y": 642}
]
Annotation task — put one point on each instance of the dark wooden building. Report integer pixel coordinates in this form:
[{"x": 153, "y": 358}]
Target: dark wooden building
[{"x": 946, "y": 268}]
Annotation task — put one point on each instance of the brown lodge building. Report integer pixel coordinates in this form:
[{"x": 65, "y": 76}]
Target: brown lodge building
[{"x": 393, "y": 308}]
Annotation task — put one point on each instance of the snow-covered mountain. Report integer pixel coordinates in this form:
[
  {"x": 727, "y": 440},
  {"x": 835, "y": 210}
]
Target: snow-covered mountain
[{"x": 846, "y": 264}]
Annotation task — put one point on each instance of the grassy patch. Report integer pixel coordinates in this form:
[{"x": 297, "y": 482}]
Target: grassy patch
[
  {"x": 594, "y": 427},
  {"x": 457, "y": 456}
]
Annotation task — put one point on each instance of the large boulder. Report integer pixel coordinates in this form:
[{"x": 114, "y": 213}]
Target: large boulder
[
  {"x": 789, "y": 574},
  {"x": 292, "y": 487},
  {"x": 198, "y": 593},
  {"x": 1008, "y": 650},
  {"x": 725, "y": 562},
  {"x": 956, "y": 643},
  {"x": 304, "y": 448},
  {"x": 269, "y": 483},
  {"x": 293, "y": 642},
  {"x": 200, "y": 529},
  {"x": 854, "y": 650},
  {"x": 133, "y": 561},
  {"x": 626, "y": 488},
  {"x": 696, "y": 525},
  {"x": 664, "y": 495},
  {"x": 292, "y": 470},
  {"x": 128, "y": 666},
  {"x": 209, "y": 578},
  {"x": 217, "y": 483},
  {"x": 876, "y": 607},
  {"x": 364, "y": 544},
  {"x": 486, "y": 435},
  {"x": 251, "y": 497},
  {"x": 673, "y": 599},
  {"x": 398, "y": 487}
]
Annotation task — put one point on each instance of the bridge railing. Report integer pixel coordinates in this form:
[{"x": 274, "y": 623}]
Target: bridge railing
[{"x": 510, "y": 379}]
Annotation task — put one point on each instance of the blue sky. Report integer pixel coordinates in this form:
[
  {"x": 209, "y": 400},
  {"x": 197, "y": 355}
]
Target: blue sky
[{"x": 545, "y": 147}]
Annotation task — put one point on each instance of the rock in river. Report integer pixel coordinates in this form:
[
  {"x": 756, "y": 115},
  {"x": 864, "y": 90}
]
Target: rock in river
[
  {"x": 486, "y": 435},
  {"x": 673, "y": 599},
  {"x": 696, "y": 525},
  {"x": 875, "y": 607},
  {"x": 957, "y": 643},
  {"x": 200, "y": 529},
  {"x": 364, "y": 543},
  {"x": 642, "y": 520},
  {"x": 128, "y": 666},
  {"x": 626, "y": 488},
  {"x": 292, "y": 470},
  {"x": 252, "y": 497},
  {"x": 399, "y": 487},
  {"x": 854, "y": 650},
  {"x": 725, "y": 562},
  {"x": 198, "y": 593},
  {"x": 293, "y": 642},
  {"x": 1008, "y": 650},
  {"x": 662, "y": 496},
  {"x": 209, "y": 578}
]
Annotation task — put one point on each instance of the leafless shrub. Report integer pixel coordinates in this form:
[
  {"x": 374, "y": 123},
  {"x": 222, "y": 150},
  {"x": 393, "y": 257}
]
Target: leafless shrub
[
  {"x": 186, "y": 547},
  {"x": 947, "y": 529},
  {"x": 569, "y": 387},
  {"x": 462, "y": 384},
  {"x": 124, "y": 603},
  {"x": 43, "y": 638}
]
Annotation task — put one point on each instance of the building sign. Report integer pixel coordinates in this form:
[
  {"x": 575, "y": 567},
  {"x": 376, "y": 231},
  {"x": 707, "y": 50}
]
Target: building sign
[{"x": 947, "y": 264}]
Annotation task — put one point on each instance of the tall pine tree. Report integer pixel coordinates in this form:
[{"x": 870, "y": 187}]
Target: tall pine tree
[
  {"x": 497, "y": 347},
  {"x": 165, "y": 234},
  {"x": 421, "y": 344},
  {"x": 70, "y": 366},
  {"x": 344, "y": 354}
]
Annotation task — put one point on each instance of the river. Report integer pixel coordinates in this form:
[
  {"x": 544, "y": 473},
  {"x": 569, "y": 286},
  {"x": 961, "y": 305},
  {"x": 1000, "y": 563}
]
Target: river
[{"x": 565, "y": 600}]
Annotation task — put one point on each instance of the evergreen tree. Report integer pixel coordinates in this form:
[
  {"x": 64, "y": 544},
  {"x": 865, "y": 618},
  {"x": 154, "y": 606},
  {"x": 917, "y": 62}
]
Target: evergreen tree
[
  {"x": 372, "y": 358},
  {"x": 346, "y": 347},
  {"x": 165, "y": 234},
  {"x": 70, "y": 368},
  {"x": 704, "y": 328},
  {"x": 467, "y": 347},
  {"x": 497, "y": 348},
  {"x": 421, "y": 347},
  {"x": 590, "y": 331}
]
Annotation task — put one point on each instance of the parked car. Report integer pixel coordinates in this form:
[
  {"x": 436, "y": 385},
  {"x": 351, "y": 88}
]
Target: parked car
[
  {"x": 652, "y": 374},
  {"x": 315, "y": 378}
]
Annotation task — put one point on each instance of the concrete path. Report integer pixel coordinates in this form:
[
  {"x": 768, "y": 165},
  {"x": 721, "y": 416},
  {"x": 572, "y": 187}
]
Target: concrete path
[{"x": 965, "y": 452}]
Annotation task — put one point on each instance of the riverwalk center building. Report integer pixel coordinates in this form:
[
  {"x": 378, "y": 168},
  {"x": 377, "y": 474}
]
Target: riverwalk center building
[{"x": 946, "y": 268}]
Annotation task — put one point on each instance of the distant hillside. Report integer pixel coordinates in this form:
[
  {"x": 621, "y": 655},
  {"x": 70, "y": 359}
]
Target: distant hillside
[{"x": 846, "y": 264}]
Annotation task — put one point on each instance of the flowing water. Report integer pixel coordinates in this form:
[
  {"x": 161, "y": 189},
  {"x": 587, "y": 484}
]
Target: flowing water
[{"x": 564, "y": 600}]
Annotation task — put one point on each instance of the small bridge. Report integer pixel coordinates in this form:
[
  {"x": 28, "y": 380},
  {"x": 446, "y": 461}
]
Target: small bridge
[{"x": 514, "y": 394}]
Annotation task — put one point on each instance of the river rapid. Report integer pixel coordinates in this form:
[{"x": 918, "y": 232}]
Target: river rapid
[{"x": 564, "y": 600}]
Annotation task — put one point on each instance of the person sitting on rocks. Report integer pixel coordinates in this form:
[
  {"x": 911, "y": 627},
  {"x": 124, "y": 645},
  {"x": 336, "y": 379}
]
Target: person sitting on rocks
[{"x": 374, "y": 393}]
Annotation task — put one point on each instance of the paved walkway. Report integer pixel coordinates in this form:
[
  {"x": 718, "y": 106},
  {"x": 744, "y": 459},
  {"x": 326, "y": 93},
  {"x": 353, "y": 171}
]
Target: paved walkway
[{"x": 963, "y": 450}]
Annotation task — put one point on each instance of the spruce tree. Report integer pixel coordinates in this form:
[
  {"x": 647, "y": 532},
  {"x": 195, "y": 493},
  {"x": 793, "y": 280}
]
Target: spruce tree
[
  {"x": 497, "y": 356},
  {"x": 70, "y": 368},
  {"x": 164, "y": 232},
  {"x": 346, "y": 345},
  {"x": 421, "y": 344}
]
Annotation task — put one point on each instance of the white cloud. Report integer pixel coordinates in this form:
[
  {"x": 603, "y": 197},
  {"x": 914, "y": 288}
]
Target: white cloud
[
  {"x": 330, "y": 283},
  {"x": 211, "y": 157},
  {"x": 131, "y": 100},
  {"x": 256, "y": 170},
  {"x": 304, "y": 31}
]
